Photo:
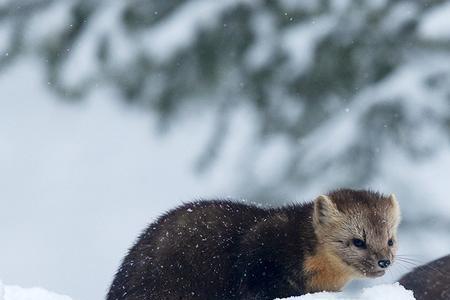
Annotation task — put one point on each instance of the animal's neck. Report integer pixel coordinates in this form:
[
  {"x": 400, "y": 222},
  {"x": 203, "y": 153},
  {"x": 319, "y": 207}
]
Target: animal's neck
[{"x": 326, "y": 272}]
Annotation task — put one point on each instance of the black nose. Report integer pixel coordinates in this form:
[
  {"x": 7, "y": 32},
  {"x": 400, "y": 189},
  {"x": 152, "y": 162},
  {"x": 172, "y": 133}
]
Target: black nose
[{"x": 384, "y": 263}]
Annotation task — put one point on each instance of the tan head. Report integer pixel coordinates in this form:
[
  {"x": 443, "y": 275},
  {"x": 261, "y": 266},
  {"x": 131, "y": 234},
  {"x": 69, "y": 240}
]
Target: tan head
[{"x": 359, "y": 228}]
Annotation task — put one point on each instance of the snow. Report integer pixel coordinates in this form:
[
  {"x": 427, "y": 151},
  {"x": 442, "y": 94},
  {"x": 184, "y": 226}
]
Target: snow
[
  {"x": 18, "y": 293},
  {"x": 261, "y": 51},
  {"x": 436, "y": 23},
  {"x": 399, "y": 15},
  {"x": 300, "y": 41},
  {"x": 176, "y": 32},
  {"x": 306, "y": 5},
  {"x": 83, "y": 57},
  {"x": 56, "y": 16},
  {"x": 385, "y": 291}
]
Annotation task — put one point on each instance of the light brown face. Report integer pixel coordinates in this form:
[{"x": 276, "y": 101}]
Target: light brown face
[{"x": 361, "y": 233}]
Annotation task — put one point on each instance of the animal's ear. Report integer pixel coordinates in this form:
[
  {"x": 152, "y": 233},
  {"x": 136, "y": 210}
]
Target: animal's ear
[
  {"x": 395, "y": 208},
  {"x": 325, "y": 211}
]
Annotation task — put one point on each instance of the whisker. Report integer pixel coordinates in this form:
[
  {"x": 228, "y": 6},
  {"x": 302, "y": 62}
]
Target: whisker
[
  {"x": 426, "y": 267},
  {"x": 421, "y": 261},
  {"x": 391, "y": 274},
  {"x": 404, "y": 267},
  {"x": 408, "y": 262}
]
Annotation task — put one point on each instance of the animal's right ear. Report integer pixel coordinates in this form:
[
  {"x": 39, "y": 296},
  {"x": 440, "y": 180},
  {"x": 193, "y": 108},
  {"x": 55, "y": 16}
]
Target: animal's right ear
[
  {"x": 395, "y": 209},
  {"x": 325, "y": 211}
]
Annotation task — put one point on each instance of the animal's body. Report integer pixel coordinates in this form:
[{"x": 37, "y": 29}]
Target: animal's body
[
  {"x": 430, "y": 281},
  {"x": 229, "y": 250}
]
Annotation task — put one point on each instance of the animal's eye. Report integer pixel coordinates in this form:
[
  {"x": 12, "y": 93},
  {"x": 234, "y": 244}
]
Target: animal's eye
[
  {"x": 359, "y": 243},
  {"x": 390, "y": 243}
]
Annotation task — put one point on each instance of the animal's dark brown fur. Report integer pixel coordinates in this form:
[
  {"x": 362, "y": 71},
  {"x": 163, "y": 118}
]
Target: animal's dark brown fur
[
  {"x": 430, "y": 281},
  {"x": 218, "y": 250},
  {"x": 229, "y": 250}
]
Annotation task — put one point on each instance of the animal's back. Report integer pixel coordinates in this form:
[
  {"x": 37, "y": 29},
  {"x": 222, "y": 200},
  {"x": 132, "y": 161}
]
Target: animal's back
[
  {"x": 430, "y": 281},
  {"x": 198, "y": 239}
]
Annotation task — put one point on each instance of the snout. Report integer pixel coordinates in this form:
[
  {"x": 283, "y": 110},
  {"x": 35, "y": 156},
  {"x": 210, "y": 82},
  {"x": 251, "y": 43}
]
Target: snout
[
  {"x": 376, "y": 273},
  {"x": 379, "y": 268},
  {"x": 384, "y": 263}
]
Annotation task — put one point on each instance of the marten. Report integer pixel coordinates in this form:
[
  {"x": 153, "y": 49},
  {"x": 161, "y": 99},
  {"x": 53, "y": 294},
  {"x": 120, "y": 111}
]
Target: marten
[
  {"x": 230, "y": 250},
  {"x": 430, "y": 281}
]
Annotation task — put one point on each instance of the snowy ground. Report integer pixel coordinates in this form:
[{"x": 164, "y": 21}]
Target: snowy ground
[
  {"x": 18, "y": 293},
  {"x": 385, "y": 292}
]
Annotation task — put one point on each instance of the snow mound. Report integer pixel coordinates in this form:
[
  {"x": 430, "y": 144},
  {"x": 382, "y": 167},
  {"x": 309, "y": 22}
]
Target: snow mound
[
  {"x": 18, "y": 293},
  {"x": 385, "y": 291}
]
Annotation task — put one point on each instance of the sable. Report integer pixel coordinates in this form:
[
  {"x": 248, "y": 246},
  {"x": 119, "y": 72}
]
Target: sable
[{"x": 230, "y": 250}]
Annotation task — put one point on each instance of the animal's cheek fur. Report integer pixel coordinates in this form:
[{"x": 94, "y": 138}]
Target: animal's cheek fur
[
  {"x": 350, "y": 261},
  {"x": 340, "y": 249},
  {"x": 350, "y": 257},
  {"x": 393, "y": 253},
  {"x": 358, "y": 265}
]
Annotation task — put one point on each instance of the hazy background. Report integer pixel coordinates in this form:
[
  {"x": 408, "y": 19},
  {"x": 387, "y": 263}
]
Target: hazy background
[{"x": 112, "y": 112}]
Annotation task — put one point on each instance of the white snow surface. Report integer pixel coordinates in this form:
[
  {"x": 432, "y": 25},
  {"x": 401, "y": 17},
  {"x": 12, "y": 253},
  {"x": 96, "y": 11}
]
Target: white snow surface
[
  {"x": 19, "y": 293},
  {"x": 384, "y": 291}
]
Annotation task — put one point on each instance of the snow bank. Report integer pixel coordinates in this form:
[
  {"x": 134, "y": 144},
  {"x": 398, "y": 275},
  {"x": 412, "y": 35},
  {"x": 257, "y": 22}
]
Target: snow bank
[
  {"x": 18, "y": 293},
  {"x": 385, "y": 291}
]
